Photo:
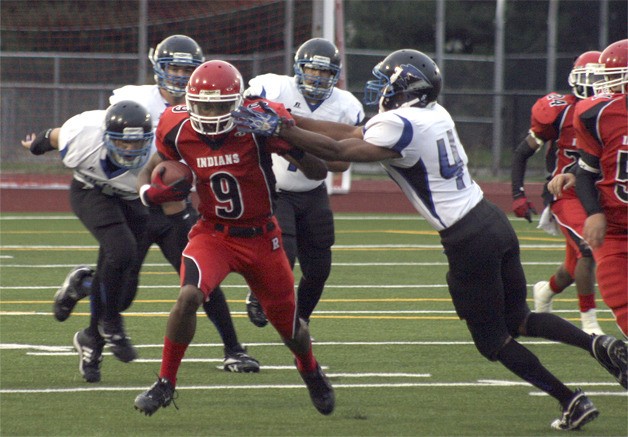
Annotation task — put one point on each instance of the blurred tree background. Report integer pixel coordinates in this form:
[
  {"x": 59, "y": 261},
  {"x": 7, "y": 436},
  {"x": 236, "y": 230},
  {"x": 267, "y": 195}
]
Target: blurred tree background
[
  {"x": 410, "y": 23},
  {"x": 70, "y": 54}
]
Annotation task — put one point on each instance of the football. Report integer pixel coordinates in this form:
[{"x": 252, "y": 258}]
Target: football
[{"x": 174, "y": 170}]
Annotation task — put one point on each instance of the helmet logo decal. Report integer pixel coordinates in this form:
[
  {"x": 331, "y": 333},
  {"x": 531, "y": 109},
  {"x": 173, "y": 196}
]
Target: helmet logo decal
[
  {"x": 409, "y": 78},
  {"x": 319, "y": 62},
  {"x": 209, "y": 93},
  {"x": 132, "y": 133},
  {"x": 182, "y": 58}
]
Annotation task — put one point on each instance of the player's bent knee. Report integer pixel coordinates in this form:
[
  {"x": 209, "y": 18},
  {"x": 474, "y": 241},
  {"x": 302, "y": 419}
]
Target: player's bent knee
[{"x": 189, "y": 300}]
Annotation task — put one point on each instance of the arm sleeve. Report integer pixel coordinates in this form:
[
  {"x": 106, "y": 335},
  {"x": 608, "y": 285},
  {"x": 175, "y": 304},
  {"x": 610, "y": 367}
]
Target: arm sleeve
[
  {"x": 518, "y": 169},
  {"x": 41, "y": 144},
  {"x": 585, "y": 183}
]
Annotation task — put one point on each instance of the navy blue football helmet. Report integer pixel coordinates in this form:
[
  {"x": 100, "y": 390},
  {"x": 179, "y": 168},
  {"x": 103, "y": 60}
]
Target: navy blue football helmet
[
  {"x": 128, "y": 134},
  {"x": 317, "y": 54},
  {"x": 179, "y": 50},
  {"x": 404, "y": 78}
]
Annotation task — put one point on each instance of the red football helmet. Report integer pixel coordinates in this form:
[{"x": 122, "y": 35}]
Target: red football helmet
[
  {"x": 614, "y": 68},
  {"x": 214, "y": 90},
  {"x": 582, "y": 74}
]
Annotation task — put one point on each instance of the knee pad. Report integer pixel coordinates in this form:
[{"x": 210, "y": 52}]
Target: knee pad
[
  {"x": 515, "y": 323},
  {"x": 322, "y": 235},
  {"x": 316, "y": 265}
]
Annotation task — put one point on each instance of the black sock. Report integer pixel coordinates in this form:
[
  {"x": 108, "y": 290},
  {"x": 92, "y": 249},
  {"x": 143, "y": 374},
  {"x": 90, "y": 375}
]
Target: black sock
[
  {"x": 218, "y": 312},
  {"x": 552, "y": 327},
  {"x": 527, "y": 366}
]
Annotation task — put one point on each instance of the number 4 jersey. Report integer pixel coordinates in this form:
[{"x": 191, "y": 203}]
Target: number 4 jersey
[
  {"x": 432, "y": 170},
  {"x": 601, "y": 124}
]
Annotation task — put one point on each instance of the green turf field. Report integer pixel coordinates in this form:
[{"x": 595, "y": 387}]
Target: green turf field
[{"x": 385, "y": 330}]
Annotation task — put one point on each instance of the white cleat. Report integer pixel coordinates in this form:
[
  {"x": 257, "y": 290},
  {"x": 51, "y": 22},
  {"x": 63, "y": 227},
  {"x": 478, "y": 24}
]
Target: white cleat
[{"x": 589, "y": 323}]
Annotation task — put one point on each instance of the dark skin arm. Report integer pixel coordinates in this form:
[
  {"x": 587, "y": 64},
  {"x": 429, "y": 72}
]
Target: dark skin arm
[
  {"x": 311, "y": 166},
  {"x": 144, "y": 176},
  {"x": 340, "y": 142},
  {"x": 343, "y": 129}
]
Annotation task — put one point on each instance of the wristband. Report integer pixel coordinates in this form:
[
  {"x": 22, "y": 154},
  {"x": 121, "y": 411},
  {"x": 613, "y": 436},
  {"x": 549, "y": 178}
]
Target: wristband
[
  {"x": 143, "y": 190},
  {"x": 41, "y": 143}
]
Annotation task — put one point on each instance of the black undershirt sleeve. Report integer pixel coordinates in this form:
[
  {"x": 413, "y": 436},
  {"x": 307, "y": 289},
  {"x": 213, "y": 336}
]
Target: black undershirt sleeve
[
  {"x": 518, "y": 169},
  {"x": 585, "y": 184}
]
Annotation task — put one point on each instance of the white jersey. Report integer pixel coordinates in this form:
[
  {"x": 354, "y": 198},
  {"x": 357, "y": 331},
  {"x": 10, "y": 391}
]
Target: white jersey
[
  {"x": 341, "y": 107},
  {"x": 146, "y": 95},
  {"x": 83, "y": 150},
  {"x": 432, "y": 170}
]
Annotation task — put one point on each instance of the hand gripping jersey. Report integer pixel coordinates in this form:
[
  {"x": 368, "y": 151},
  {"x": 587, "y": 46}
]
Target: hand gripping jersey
[
  {"x": 552, "y": 120},
  {"x": 601, "y": 124},
  {"x": 82, "y": 149},
  {"x": 432, "y": 170},
  {"x": 234, "y": 174},
  {"x": 341, "y": 107}
]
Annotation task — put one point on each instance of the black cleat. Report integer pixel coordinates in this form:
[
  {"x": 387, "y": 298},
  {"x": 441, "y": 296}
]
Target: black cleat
[
  {"x": 612, "y": 354},
  {"x": 321, "y": 391},
  {"x": 90, "y": 355},
  {"x": 113, "y": 333},
  {"x": 71, "y": 292},
  {"x": 255, "y": 311},
  {"x": 161, "y": 394},
  {"x": 579, "y": 412},
  {"x": 238, "y": 361}
]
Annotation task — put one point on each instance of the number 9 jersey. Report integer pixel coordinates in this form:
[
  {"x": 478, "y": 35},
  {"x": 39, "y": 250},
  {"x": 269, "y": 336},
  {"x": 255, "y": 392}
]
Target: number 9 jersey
[{"x": 234, "y": 178}]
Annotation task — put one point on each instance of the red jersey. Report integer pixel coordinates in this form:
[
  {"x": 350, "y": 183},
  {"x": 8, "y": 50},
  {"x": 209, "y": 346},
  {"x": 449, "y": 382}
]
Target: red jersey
[
  {"x": 552, "y": 120},
  {"x": 601, "y": 124},
  {"x": 234, "y": 177}
]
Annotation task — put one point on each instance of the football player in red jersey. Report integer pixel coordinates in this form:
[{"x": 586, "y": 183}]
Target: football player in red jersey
[
  {"x": 551, "y": 124},
  {"x": 601, "y": 124},
  {"x": 237, "y": 231}
]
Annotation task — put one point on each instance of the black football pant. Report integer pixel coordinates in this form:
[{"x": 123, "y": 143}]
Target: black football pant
[
  {"x": 307, "y": 230},
  {"x": 117, "y": 225}
]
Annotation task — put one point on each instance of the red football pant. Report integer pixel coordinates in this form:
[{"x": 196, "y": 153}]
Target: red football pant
[{"x": 612, "y": 276}]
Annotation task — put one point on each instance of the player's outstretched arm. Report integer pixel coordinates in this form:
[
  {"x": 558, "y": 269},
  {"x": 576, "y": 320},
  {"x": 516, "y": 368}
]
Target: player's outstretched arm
[
  {"x": 43, "y": 142},
  {"x": 337, "y": 131},
  {"x": 349, "y": 150},
  {"x": 312, "y": 167}
]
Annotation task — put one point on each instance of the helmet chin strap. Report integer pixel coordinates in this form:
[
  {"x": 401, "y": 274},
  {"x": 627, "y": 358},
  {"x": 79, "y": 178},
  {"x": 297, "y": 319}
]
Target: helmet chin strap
[{"x": 410, "y": 103}]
